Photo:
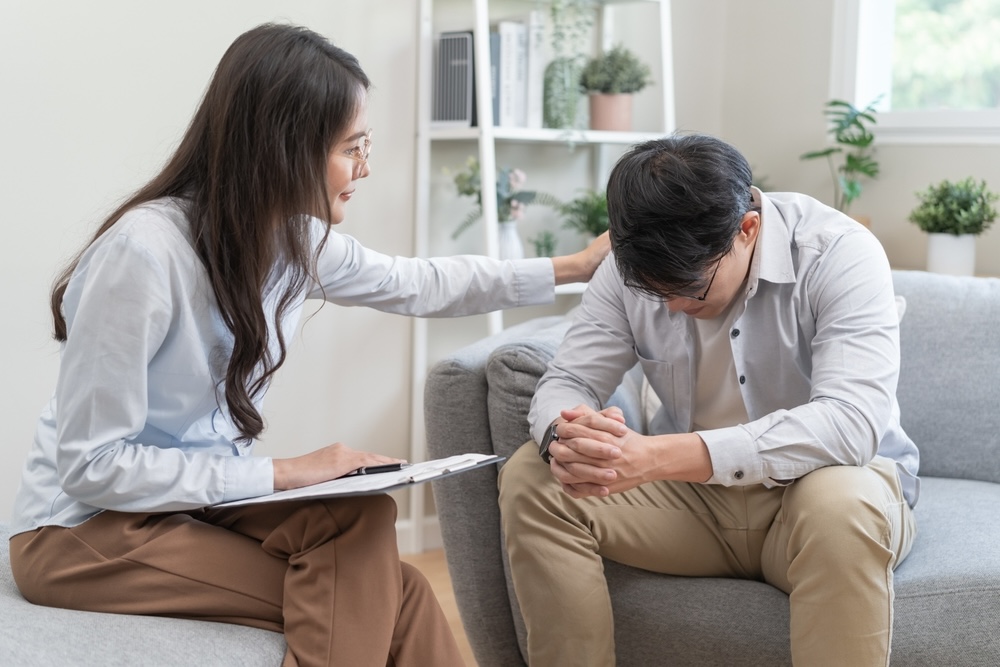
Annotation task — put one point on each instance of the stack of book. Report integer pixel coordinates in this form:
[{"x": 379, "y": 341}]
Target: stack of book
[
  {"x": 517, "y": 62},
  {"x": 518, "y": 57}
]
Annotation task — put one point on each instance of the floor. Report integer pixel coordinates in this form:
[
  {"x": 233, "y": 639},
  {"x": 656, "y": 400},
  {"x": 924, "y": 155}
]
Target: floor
[{"x": 434, "y": 567}]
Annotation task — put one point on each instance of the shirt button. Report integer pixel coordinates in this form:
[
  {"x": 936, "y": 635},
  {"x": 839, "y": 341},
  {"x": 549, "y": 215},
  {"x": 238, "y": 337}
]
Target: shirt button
[
  {"x": 738, "y": 474},
  {"x": 743, "y": 379},
  {"x": 734, "y": 333}
]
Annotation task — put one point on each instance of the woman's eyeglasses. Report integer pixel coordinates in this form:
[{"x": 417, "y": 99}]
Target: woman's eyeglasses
[{"x": 362, "y": 150}]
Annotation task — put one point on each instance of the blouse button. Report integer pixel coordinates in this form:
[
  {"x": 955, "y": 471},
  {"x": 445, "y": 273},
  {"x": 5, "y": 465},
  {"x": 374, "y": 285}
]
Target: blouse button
[
  {"x": 738, "y": 474},
  {"x": 743, "y": 379},
  {"x": 734, "y": 333}
]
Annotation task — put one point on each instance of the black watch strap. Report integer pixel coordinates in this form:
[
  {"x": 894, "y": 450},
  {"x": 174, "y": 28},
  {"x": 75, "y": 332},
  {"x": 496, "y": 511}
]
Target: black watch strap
[{"x": 543, "y": 447}]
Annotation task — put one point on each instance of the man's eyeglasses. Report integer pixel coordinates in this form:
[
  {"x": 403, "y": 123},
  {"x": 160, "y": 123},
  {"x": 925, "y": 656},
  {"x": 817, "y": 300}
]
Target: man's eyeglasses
[
  {"x": 708, "y": 287},
  {"x": 362, "y": 150}
]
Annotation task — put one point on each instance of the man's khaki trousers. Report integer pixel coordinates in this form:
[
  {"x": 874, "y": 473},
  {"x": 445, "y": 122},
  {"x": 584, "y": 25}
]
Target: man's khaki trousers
[
  {"x": 326, "y": 573},
  {"x": 830, "y": 540}
]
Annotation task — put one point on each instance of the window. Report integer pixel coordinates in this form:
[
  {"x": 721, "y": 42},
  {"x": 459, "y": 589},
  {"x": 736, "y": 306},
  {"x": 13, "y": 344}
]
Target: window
[{"x": 934, "y": 66}]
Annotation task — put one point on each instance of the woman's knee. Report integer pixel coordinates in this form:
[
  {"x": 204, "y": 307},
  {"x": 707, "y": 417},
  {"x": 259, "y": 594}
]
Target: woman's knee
[
  {"x": 21, "y": 567},
  {"x": 414, "y": 582},
  {"x": 378, "y": 508}
]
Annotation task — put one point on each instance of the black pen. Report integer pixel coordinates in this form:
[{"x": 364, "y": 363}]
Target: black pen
[{"x": 371, "y": 470}]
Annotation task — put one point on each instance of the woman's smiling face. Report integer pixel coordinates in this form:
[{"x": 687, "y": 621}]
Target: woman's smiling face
[{"x": 348, "y": 162}]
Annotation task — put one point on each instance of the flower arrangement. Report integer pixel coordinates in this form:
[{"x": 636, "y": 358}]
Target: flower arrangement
[{"x": 511, "y": 199}]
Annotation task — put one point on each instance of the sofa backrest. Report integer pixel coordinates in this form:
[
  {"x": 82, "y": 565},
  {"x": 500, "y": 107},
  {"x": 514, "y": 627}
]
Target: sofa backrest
[{"x": 949, "y": 384}]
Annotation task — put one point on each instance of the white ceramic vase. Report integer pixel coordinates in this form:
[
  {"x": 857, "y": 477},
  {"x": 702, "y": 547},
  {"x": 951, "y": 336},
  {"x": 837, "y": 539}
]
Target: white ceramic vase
[
  {"x": 951, "y": 254},
  {"x": 511, "y": 246}
]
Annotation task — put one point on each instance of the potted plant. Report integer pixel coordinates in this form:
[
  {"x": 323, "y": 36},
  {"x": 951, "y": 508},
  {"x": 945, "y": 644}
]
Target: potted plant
[
  {"x": 953, "y": 214},
  {"x": 851, "y": 131},
  {"x": 611, "y": 78},
  {"x": 511, "y": 202},
  {"x": 545, "y": 244},
  {"x": 587, "y": 213}
]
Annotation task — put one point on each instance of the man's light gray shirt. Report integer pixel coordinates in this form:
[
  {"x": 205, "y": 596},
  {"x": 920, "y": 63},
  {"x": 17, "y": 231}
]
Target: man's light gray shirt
[{"x": 816, "y": 346}]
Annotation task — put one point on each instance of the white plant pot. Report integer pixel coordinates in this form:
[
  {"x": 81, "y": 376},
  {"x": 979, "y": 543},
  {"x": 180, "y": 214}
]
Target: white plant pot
[
  {"x": 951, "y": 254},
  {"x": 511, "y": 246}
]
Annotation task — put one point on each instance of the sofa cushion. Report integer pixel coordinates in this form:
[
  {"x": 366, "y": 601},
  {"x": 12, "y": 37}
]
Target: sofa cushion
[
  {"x": 948, "y": 589},
  {"x": 949, "y": 379},
  {"x": 31, "y": 635},
  {"x": 946, "y": 610},
  {"x": 512, "y": 373}
]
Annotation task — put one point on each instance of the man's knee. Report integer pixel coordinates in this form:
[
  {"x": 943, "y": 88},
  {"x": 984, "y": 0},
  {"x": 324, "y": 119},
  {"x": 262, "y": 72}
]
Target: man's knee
[
  {"x": 839, "y": 503},
  {"x": 525, "y": 481}
]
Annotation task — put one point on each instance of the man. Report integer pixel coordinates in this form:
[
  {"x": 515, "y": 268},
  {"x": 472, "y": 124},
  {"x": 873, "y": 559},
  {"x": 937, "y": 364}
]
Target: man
[{"x": 766, "y": 325}]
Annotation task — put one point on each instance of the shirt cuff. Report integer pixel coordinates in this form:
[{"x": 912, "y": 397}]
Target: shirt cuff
[
  {"x": 735, "y": 461},
  {"x": 248, "y": 477},
  {"x": 536, "y": 281}
]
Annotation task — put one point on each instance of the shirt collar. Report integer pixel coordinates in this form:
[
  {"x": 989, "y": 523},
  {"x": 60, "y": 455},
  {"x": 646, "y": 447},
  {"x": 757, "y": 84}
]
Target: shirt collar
[{"x": 772, "y": 257}]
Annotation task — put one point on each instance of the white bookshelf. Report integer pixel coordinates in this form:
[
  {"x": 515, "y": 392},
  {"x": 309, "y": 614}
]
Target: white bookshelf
[{"x": 484, "y": 141}]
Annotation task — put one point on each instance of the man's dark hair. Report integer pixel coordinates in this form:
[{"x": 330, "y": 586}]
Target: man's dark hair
[{"x": 674, "y": 207}]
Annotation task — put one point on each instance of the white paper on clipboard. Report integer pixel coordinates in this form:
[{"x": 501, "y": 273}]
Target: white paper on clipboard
[{"x": 362, "y": 485}]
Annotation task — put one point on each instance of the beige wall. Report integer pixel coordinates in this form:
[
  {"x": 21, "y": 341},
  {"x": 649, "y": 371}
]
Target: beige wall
[
  {"x": 776, "y": 56},
  {"x": 94, "y": 97}
]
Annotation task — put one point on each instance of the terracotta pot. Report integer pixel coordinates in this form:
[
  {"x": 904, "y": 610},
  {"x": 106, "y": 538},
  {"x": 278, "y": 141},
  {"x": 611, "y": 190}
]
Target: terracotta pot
[{"x": 611, "y": 112}]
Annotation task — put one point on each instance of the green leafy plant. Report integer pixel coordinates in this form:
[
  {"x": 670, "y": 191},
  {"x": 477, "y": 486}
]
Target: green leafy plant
[
  {"x": 958, "y": 208},
  {"x": 511, "y": 199},
  {"x": 851, "y": 131},
  {"x": 615, "y": 71},
  {"x": 587, "y": 213},
  {"x": 545, "y": 244}
]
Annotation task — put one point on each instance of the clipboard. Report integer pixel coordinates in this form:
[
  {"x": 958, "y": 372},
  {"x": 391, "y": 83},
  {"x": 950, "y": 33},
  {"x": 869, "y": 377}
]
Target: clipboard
[{"x": 383, "y": 482}]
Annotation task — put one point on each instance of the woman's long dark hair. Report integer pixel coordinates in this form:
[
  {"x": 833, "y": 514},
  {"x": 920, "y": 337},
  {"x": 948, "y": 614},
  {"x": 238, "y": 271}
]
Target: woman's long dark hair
[{"x": 251, "y": 167}]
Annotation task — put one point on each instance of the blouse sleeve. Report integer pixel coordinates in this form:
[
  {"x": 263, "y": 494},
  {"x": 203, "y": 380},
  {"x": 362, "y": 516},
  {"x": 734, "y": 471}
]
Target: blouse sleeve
[{"x": 352, "y": 275}]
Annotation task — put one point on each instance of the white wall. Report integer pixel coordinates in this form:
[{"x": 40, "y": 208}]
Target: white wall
[{"x": 94, "y": 97}]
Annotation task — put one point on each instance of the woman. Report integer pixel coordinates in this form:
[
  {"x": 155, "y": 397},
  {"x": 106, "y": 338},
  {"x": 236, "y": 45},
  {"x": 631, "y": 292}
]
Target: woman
[{"x": 172, "y": 322}]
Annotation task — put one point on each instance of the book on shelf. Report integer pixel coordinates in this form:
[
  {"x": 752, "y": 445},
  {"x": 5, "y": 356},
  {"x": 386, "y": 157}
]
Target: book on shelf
[
  {"x": 538, "y": 58},
  {"x": 495, "y": 74},
  {"x": 518, "y": 57},
  {"x": 513, "y": 73},
  {"x": 454, "y": 99}
]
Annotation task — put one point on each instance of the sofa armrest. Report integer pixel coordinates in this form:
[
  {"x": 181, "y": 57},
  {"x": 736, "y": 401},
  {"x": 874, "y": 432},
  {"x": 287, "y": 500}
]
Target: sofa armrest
[
  {"x": 457, "y": 422},
  {"x": 477, "y": 400}
]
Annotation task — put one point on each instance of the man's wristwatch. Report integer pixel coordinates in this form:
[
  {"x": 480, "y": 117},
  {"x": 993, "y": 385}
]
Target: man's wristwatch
[{"x": 550, "y": 436}]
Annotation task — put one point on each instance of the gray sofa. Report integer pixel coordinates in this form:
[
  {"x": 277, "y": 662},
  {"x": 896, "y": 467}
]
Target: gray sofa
[
  {"x": 947, "y": 609},
  {"x": 33, "y": 636}
]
